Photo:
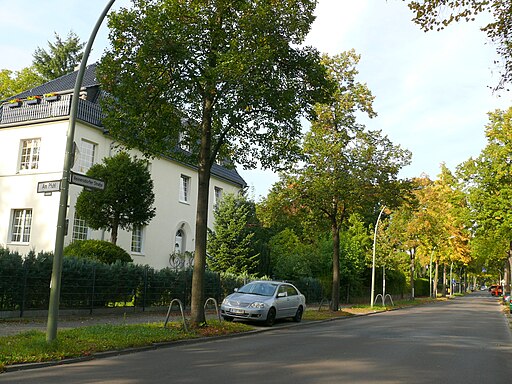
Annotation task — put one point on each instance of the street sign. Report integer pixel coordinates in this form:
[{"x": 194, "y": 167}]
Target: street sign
[
  {"x": 48, "y": 186},
  {"x": 86, "y": 181}
]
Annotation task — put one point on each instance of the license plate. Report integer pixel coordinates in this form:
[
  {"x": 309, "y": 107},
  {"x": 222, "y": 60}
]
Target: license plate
[{"x": 237, "y": 311}]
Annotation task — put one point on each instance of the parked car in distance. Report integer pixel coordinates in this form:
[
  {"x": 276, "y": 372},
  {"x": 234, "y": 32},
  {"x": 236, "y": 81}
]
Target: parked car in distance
[
  {"x": 496, "y": 290},
  {"x": 264, "y": 301}
]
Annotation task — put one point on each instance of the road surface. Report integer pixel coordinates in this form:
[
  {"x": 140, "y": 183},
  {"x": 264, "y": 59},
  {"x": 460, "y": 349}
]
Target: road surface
[{"x": 464, "y": 340}]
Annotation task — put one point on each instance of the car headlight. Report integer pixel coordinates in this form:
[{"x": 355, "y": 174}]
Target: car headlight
[
  {"x": 225, "y": 301},
  {"x": 257, "y": 304}
]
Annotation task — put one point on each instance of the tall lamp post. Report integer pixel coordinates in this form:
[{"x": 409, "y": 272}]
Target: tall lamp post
[
  {"x": 430, "y": 272},
  {"x": 373, "y": 258},
  {"x": 55, "y": 283}
]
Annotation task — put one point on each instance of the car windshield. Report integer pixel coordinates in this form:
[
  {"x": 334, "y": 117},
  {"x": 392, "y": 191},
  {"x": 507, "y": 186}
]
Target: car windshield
[{"x": 259, "y": 288}]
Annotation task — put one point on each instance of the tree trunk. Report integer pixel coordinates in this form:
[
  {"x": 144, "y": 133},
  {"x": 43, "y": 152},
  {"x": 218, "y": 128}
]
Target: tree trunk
[
  {"x": 335, "y": 302},
  {"x": 197, "y": 301},
  {"x": 113, "y": 233}
]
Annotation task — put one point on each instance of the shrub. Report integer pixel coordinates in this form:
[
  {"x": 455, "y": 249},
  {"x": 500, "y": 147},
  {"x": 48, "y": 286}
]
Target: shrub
[
  {"x": 421, "y": 287},
  {"x": 102, "y": 251}
]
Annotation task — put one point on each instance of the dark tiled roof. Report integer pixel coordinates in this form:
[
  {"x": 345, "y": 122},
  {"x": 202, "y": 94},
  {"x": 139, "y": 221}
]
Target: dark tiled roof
[
  {"x": 63, "y": 83},
  {"x": 228, "y": 174},
  {"x": 66, "y": 84}
]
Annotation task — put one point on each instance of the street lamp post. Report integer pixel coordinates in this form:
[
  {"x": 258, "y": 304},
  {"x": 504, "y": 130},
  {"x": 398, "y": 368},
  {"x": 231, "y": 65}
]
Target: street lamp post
[
  {"x": 55, "y": 283},
  {"x": 373, "y": 258},
  {"x": 430, "y": 272}
]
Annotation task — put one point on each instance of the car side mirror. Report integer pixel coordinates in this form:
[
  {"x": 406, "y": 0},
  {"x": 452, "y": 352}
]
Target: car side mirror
[{"x": 236, "y": 289}]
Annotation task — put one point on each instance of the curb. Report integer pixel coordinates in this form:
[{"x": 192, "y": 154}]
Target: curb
[{"x": 154, "y": 346}]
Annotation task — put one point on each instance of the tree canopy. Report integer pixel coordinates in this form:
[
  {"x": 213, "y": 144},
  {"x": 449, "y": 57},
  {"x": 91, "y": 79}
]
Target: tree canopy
[
  {"x": 346, "y": 169},
  {"x": 61, "y": 57},
  {"x": 14, "y": 82},
  {"x": 227, "y": 78},
  {"x": 438, "y": 14},
  {"x": 489, "y": 185},
  {"x": 126, "y": 201}
]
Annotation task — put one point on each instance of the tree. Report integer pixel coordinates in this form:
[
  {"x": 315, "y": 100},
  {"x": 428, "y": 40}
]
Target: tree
[
  {"x": 126, "y": 201},
  {"x": 489, "y": 183},
  {"x": 61, "y": 58},
  {"x": 346, "y": 169},
  {"x": 438, "y": 14},
  {"x": 12, "y": 83},
  {"x": 433, "y": 223},
  {"x": 229, "y": 244},
  {"x": 228, "y": 78}
]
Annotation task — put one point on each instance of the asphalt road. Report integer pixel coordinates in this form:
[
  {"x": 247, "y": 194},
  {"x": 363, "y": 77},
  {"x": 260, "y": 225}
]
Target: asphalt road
[{"x": 464, "y": 340}]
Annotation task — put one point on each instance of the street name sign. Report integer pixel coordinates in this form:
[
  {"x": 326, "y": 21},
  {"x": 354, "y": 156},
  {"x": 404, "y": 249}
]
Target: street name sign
[
  {"x": 48, "y": 186},
  {"x": 86, "y": 181}
]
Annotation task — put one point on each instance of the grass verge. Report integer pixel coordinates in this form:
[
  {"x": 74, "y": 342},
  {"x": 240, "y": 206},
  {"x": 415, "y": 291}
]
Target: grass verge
[{"x": 31, "y": 346}]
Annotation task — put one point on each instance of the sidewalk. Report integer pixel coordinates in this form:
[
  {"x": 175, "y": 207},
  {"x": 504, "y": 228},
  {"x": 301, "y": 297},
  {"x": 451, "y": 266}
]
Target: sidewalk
[{"x": 14, "y": 326}]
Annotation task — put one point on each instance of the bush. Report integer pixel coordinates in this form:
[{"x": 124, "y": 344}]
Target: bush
[
  {"x": 102, "y": 251},
  {"x": 421, "y": 287}
]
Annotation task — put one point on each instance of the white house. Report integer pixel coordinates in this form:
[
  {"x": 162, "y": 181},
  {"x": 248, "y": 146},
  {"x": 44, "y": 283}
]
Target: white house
[{"x": 32, "y": 147}]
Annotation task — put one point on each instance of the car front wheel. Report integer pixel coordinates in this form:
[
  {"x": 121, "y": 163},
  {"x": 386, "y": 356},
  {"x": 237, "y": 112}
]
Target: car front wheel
[
  {"x": 271, "y": 317},
  {"x": 227, "y": 318}
]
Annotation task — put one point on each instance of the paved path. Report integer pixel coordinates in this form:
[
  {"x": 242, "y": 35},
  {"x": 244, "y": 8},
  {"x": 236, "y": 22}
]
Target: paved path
[{"x": 17, "y": 325}]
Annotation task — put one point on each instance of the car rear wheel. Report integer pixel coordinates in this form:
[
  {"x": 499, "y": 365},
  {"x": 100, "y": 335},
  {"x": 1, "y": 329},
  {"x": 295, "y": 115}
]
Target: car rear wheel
[
  {"x": 298, "y": 315},
  {"x": 271, "y": 317}
]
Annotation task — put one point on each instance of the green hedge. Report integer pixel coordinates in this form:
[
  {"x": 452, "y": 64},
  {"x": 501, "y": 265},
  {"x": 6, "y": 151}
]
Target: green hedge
[{"x": 87, "y": 283}]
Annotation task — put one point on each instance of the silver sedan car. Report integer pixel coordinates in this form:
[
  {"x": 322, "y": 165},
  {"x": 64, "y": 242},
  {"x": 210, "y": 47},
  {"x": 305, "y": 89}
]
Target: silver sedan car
[{"x": 264, "y": 301}]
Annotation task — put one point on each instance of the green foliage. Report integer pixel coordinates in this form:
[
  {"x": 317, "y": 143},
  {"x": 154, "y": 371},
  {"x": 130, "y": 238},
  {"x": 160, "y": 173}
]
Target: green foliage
[
  {"x": 347, "y": 170},
  {"x": 126, "y": 201},
  {"x": 102, "y": 251},
  {"x": 61, "y": 58},
  {"x": 289, "y": 257},
  {"x": 488, "y": 179},
  {"x": 88, "y": 283},
  {"x": 229, "y": 243},
  {"x": 11, "y": 281},
  {"x": 233, "y": 81},
  {"x": 436, "y": 14},
  {"x": 249, "y": 71},
  {"x": 421, "y": 287},
  {"x": 12, "y": 83}
]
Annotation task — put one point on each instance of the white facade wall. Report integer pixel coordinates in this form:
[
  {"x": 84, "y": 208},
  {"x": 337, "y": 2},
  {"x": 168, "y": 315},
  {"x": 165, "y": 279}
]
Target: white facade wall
[{"x": 18, "y": 190}]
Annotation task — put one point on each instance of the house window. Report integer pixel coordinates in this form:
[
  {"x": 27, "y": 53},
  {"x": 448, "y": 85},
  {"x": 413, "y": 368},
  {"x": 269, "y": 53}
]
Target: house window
[
  {"x": 80, "y": 229},
  {"x": 184, "y": 189},
  {"x": 21, "y": 224},
  {"x": 178, "y": 241},
  {"x": 137, "y": 236},
  {"x": 87, "y": 156},
  {"x": 29, "y": 158},
  {"x": 217, "y": 196}
]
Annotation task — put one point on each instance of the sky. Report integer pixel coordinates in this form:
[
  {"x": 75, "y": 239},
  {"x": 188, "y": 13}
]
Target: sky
[{"x": 432, "y": 90}]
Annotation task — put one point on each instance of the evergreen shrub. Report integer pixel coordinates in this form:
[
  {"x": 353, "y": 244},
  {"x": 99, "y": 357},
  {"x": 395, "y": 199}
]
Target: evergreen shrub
[{"x": 103, "y": 251}]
